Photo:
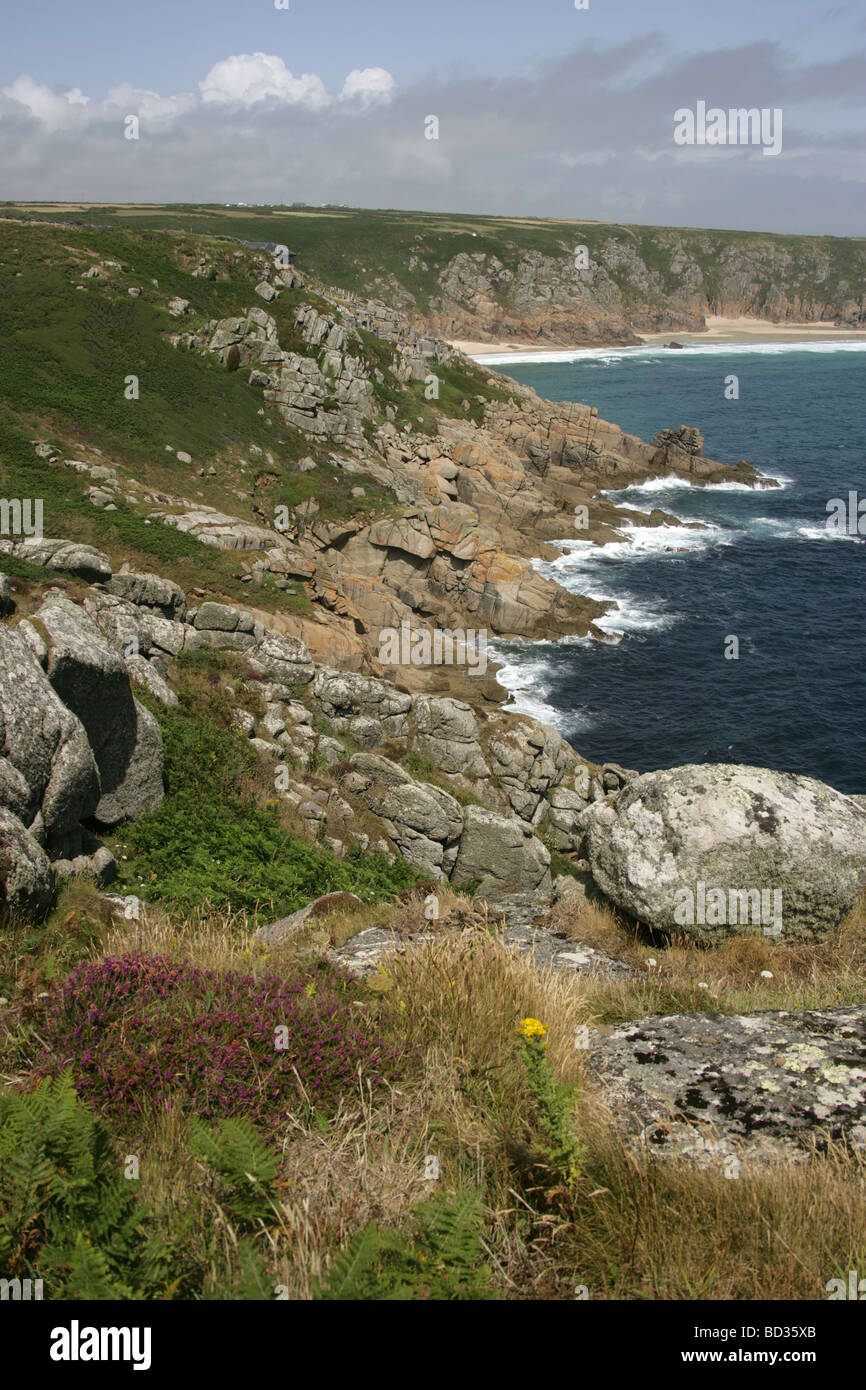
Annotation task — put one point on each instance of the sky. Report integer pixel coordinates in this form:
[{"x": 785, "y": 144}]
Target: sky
[{"x": 541, "y": 108}]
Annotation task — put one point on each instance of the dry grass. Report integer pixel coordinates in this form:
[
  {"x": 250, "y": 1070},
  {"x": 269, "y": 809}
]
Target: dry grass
[
  {"x": 723, "y": 979},
  {"x": 637, "y": 1227}
]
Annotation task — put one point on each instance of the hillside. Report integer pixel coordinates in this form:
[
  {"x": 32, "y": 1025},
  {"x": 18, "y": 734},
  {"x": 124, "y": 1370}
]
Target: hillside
[
  {"x": 325, "y": 976},
  {"x": 193, "y": 403},
  {"x": 489, "y": 278}
]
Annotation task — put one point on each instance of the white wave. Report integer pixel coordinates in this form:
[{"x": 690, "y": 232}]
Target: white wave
[
  {"x": 633, "y": 616},
  {"x": 672, "y": 483},
  {"x": 790, "y": 529},
  {"x": 612, "y": 356},
  {"x": 824, "y": 533},
  {"x": 525, "y": 679},
  {"x": 638, "y": 543}
]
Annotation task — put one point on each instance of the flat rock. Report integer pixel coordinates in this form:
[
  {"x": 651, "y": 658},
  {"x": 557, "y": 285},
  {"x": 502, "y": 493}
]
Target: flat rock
[
  {"x": 319, "y": 907},
  {"x": 548, "y": 948},
  {"x": 68, "y": 557},
  {"x": 765, "y": 1085}
]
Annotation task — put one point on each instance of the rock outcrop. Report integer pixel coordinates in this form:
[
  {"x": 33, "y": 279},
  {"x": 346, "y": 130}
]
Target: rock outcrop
[
  {"x": 92, "y": 681},
  {"x": 48, "y": 774},
  {"x": 26, "y": 880},
  {"x": 498, "y": 851}
]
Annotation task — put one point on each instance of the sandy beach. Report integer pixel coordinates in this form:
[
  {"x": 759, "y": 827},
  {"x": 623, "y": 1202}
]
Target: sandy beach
[{"x": 718, "y": 330}]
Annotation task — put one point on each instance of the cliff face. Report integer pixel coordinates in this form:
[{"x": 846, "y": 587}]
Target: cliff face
[
  {"x": 372, "y": 477},
  {"x": 647, "y": 283}
]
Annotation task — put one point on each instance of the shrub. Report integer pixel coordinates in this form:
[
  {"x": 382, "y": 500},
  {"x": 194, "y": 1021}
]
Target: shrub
[
  {"x": 70, "y": 1216},
  {"x": 246, "y": 1166},
  {"x": 140, "y": 1029}
]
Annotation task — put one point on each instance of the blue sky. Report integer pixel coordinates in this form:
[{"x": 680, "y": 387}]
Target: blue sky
[
  {"x": 168, "y": 44},
  {"x": 543, "y": 109}
]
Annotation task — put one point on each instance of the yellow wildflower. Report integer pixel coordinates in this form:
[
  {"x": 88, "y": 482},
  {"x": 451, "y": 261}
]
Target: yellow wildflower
[{"x": 531, "y": 1028}]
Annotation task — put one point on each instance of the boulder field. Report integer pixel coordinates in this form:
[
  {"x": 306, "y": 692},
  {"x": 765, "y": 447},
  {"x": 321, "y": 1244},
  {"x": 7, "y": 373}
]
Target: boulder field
[{"x": 696, "y": 851}]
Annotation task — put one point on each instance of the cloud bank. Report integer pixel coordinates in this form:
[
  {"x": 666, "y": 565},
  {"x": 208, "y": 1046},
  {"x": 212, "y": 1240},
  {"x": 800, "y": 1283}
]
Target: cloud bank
[{"x": 587, "y": 135}]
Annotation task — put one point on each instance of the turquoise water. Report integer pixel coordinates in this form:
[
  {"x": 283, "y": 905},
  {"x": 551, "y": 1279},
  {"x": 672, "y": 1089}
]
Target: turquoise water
[{"x": 767, "y": 571}]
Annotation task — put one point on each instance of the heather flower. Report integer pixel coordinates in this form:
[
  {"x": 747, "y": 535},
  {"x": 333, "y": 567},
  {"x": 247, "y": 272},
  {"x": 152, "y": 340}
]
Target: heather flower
[{"x": 138, "y": 1030}]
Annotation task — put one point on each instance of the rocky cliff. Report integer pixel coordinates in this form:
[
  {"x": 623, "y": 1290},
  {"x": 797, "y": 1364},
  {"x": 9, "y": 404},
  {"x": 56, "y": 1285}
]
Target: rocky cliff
[{"x": 633, "y": 282}]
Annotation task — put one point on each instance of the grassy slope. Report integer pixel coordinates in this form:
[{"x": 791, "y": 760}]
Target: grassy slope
[{"x": 68, "y": 347}]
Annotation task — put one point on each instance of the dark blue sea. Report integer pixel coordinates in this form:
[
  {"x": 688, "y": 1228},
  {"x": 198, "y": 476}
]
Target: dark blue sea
[{"x": 767, "y": 570}]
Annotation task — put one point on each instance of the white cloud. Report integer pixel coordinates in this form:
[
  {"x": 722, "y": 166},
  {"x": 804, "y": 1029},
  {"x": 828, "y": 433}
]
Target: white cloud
[
  {"x": 248, "y": 78},
  {"x": 574, "y": 137},
  {"x": 51, "y": 108},
  {"x": 370, "y": 86},
  {"x": 127, "y": 100}
]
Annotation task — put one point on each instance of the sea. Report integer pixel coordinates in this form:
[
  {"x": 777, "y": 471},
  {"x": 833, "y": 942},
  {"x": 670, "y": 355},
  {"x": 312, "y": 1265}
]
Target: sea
[{"x": 741, "y": 641}]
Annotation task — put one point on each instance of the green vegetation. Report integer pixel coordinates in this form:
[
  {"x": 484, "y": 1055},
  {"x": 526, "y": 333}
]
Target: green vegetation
[
  {"x": 441, "y": 1257},
  {"x": 221, "y": 835},
  {"x": 398, "y": 256},
  {"x": 67, "y": 1214}
]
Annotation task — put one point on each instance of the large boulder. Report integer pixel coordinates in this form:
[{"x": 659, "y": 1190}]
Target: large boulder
[
  {"x": 26, "y": 880},
  {"x": 151, "y": 591},
  {"x": 497, "y": 850},
  {"x": 283, "y": 659},
  {"x": 446, "y": 733},
  {"x": 528, "y": 759},
  {"x": 345, "y": 695},
  {"x": 92, "y": 681},
  {"x": 320, "y": 907},
  {"x": 69, "y": 557},
  {"x": 48, "y": 776},
  {"x": 692, "y": 850}
]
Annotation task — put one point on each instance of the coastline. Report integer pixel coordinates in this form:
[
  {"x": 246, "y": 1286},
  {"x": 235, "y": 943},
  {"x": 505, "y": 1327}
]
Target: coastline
[
  {"x": 734, "y": 331},
  {"x": 518, "y": 676}
]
